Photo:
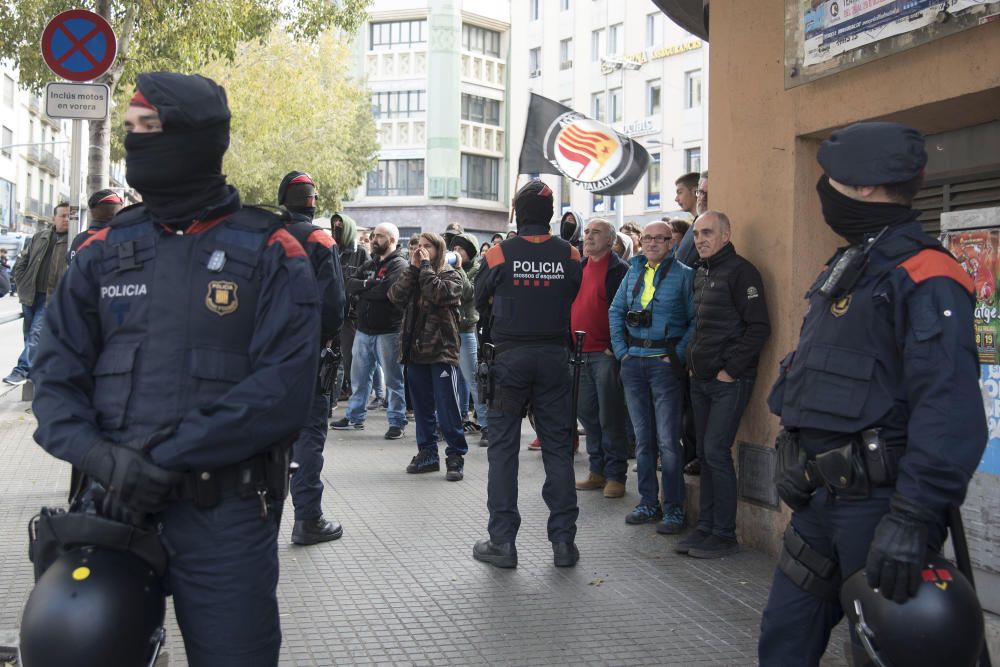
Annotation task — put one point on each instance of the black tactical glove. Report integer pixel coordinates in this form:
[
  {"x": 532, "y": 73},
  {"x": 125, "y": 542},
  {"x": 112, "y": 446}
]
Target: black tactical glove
[
  {"x": 790, "y": 479},
  {"x": 899, "y": 549},
  {"x": 129, "y": 476}
]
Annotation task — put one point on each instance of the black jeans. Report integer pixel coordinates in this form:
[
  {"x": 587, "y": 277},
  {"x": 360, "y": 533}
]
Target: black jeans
[{"x": 718, "y": 407}]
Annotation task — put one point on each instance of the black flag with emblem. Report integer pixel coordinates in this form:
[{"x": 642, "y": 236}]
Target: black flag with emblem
[{"x": 558, "y": 140}]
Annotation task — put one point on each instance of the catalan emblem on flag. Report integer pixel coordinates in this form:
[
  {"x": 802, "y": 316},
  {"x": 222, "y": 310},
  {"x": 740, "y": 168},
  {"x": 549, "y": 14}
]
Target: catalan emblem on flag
[{"x": 558, "y": 140}]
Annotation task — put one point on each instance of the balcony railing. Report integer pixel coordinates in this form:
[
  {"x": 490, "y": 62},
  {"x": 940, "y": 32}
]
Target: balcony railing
[
  {"x": 34, "y": 207},
  {"x": 49, "y": 162}
]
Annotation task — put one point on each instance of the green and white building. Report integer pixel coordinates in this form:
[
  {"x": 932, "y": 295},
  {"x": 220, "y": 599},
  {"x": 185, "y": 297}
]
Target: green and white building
[{"x": 439, "y": 81}]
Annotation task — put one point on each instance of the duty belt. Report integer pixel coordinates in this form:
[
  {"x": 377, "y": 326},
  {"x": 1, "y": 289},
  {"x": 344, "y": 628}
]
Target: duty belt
[
  {"x": 264, "y": 475},
  {"x": 849, "y": 471}
]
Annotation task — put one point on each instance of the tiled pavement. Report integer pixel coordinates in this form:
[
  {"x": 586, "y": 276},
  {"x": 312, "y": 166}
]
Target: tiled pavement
[{"x": 401, "y": 587}]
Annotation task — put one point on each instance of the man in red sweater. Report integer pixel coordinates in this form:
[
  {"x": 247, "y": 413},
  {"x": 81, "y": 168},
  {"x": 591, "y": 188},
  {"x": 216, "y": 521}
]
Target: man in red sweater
[{"x": 601, "y": 405}]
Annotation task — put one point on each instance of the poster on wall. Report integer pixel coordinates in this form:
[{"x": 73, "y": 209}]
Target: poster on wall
[
  {"x": 826, "y": 36},
  {"x": 989, "y": 380},
  {"x": 976, "y": 250},
  {"x": 835, "y": 26}
]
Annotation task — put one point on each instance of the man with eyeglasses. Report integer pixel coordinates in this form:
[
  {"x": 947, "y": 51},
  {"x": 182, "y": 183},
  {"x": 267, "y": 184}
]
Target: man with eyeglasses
[
  {"x": 731, "y": 327},
  {"x": 651, "y": 320}
]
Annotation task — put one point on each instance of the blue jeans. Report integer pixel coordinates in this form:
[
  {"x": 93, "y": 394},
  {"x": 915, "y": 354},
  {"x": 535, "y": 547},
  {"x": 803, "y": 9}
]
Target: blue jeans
[
  {"x": 386, "y": 348},
  {"x": 718, "y": 407},
  {"x": 307, "y": 487},
  {"x": 434, "y": 390},
  {"x": 468, "y": 361},
  {"x": 601, "y": 410},
  {"x": 653, "y": 395},
  {"x": 31, "y": 326}
]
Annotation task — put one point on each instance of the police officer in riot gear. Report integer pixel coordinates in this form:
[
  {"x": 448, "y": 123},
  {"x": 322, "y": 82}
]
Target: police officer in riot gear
[
  {"x": 880, "y": 402},
  {"x": 297, "y": 194},
  {"x": 177, "y": 365},
  {"x": 530, "y": 282}
]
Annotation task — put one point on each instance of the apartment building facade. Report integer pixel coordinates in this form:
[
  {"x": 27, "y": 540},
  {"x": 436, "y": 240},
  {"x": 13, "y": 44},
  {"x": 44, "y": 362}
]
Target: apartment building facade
[
  {"x": 438, "y": 76},
  {"x": 34, "y": 158}
]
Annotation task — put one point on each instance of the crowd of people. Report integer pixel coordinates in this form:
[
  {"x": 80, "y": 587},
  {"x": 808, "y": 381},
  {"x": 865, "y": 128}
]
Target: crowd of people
[{"x": 187, "y": 354}]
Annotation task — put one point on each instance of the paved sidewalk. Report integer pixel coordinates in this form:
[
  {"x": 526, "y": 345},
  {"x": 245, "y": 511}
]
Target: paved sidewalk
[{"x": 401, "y": 587}]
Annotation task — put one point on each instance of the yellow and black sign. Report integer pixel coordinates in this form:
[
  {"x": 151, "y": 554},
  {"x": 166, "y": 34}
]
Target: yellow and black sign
[{"x": 222, "y": 298}]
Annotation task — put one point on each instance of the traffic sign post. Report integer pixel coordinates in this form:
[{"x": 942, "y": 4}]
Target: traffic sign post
[{"x": 79, "y": 45}]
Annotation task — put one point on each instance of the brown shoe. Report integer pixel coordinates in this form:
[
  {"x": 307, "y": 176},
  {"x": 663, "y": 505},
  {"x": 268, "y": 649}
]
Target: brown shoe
[
  {"x": 614, "y": 489},
  {"x": 593, "y": 482}
]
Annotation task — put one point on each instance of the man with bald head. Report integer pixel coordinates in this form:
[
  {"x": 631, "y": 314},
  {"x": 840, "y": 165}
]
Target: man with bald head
[
  {"x": 732, "y": 328},
  {"x": 601, "y": 404},
  {"x": 377, "y": 337},
  {"x": 651, "y": 320}
]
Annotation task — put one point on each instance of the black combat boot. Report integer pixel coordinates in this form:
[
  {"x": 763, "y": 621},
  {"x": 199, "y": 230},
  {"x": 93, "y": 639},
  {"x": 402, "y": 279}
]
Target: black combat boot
[
  {"x": 455, "y": 465},
  {"x": 314, "y": 531}
]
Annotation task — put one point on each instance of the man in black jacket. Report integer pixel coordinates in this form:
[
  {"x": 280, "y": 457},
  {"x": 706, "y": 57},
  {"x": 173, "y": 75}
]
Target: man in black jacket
[
  {"x": 731, "y": 327},
  {"x": 379, "y": 323}
]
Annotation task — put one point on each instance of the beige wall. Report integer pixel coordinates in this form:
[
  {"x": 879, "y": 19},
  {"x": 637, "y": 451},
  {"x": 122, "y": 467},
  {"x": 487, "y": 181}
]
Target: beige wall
[{"x": 763, "y": 161}]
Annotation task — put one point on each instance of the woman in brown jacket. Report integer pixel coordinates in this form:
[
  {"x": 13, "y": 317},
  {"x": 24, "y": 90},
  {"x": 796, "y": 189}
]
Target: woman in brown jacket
[{"x": 431, "y": 291}]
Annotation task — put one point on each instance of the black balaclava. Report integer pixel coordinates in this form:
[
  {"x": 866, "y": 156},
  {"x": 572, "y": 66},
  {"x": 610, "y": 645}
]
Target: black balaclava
[
  {"x": 853, "y": 219},
  {"x": 533, "y": 206},
  {"x": 294, "y": 192},
  {"x": 868, "y": 154},
  {"x": 178, "y": 171}
]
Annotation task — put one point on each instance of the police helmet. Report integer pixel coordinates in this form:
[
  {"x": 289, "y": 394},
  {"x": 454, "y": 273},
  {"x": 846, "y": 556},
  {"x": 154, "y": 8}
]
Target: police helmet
[
  {"x": 941, "y": 625},
  {"x": 92, "y": 608}
]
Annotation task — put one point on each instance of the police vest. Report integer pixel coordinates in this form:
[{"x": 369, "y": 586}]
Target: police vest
[
  {"x": 846, "y": 374},
  {"x": 177, "y": 312},
  {"x": 533, "y": 299}
]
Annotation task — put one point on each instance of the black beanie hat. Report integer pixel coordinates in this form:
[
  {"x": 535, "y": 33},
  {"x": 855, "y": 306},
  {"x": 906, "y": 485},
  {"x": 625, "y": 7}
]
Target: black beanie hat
[{"x": 533, "y": 204}]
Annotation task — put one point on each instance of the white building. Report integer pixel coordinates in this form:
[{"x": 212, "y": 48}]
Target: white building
[
  {"x": 34, "y": 157},
  {"x": 437, "y": 71},
  {"x": 620, "y": 62}
]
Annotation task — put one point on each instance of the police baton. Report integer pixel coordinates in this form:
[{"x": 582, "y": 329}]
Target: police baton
[
  {"x": 577, "y": 362},
  {"x": 964, "y": 563}
]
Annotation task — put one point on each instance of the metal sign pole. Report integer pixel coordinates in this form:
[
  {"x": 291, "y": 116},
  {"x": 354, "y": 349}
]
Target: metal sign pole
[{"x": 76, "y": 150}]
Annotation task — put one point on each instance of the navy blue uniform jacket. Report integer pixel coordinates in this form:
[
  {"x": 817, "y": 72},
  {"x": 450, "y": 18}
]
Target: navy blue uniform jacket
[{"x": 211, "y": 332}]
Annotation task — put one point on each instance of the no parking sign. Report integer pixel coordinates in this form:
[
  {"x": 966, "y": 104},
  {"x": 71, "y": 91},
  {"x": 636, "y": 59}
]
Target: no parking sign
[{"x": 79, "y": 45}]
